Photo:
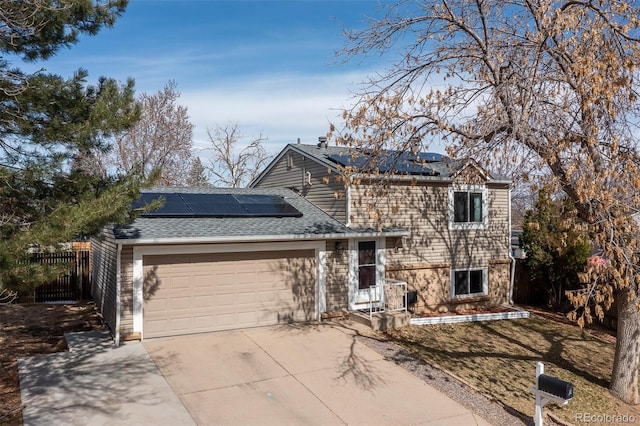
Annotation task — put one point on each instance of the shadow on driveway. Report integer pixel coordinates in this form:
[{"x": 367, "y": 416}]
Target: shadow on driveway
[
  {"x": 94, "y": 383},
  {"x": 297, "y": 374}
]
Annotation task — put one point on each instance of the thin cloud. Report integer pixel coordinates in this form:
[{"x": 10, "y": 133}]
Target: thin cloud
[{"x": 280, "y": 107}]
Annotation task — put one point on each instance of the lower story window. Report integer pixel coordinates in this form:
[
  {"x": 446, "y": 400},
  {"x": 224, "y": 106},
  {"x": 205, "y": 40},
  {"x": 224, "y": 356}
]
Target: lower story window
[{"x": 469, "y": 282}]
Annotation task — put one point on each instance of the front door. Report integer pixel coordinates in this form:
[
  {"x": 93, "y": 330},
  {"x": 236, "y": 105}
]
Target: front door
[{"x": 366, "y": 274}]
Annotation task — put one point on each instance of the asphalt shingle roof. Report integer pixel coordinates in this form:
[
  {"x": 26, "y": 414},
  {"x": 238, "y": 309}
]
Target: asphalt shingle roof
[
  {"x": 314, "y": 223},
  {"x": 443, "y": 169}
]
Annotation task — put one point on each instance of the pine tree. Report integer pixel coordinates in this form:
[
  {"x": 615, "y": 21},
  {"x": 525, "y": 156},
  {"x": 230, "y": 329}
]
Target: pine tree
[
  {"x": 556, "y": 251},
  {"x": 47, "y": 123},
  {"x": 197, "y": 174}
]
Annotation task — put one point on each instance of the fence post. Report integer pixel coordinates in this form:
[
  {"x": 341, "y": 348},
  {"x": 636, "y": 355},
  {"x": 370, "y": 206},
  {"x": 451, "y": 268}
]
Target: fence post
[{"x": 86, "y": 276}]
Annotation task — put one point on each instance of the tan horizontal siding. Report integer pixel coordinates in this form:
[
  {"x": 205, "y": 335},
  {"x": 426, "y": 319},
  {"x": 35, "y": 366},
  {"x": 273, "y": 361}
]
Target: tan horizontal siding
[
  {"x": 282, "y": 175},
  {"x": 425, "y": 259},
  {"x": 433, "y": 286},
  {"x": 103, "y": 284},
  {"x": 424, "y": 211},
  {"x": 126, "y": 288},
  {"x": 325, "y": 190},
  {"x": 337, "y": 277}
]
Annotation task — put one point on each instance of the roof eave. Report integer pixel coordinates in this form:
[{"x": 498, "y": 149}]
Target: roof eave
[
  {"x": 419, "y": 178},
  {"x": 262, "y": 238},
  {"x": 289, "y": 147},
  {"x": 318, "y": 160}
]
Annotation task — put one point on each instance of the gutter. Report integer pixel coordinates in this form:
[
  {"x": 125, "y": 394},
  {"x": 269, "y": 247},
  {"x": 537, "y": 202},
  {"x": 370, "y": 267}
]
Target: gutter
[
  {"x": 118, "y": 298},
  {"x": 347, "y": 208},
  {"x": 419, "y": 178},
  {"x": 262, "y": 238}
]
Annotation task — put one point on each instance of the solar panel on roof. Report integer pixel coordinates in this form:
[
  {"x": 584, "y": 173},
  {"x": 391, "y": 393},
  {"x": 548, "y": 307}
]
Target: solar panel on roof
[
  {"x": 172, "y": 205},
  {"x": 257, "y": 198},
  {"x": 217, "y": 205},
  {"x": 201, "y": 198},
  {"x": 431, "y": 157},
  {"x": 391, "y": 162},
  {"x": 267, "y": 205},
  {"x": 349, "y": 160}
]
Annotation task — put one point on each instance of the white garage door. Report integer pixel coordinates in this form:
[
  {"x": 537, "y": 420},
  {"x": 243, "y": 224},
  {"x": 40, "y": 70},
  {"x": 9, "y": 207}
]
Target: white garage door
[{"x": 209, "y": 292}]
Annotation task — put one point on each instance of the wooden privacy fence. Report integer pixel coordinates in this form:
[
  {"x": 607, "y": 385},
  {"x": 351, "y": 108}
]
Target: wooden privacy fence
[
  {"x": 73, "y": 285},
  {"x": 526, "y": 291}
]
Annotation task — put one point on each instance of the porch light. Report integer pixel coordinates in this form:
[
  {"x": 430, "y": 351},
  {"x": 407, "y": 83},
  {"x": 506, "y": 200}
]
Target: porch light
[{"x": 339, "y": 248}]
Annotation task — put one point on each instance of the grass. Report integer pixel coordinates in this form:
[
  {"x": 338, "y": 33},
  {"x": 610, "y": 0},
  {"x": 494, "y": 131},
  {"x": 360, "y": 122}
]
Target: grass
[{"x": 499, "y": 359}]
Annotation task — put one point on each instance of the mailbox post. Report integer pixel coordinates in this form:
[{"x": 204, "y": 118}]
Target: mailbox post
[{"x": 549, "y": 389}]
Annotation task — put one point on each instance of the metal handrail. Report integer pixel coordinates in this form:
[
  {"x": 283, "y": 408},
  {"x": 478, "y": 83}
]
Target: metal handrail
[{"x": 391, "y": 296}]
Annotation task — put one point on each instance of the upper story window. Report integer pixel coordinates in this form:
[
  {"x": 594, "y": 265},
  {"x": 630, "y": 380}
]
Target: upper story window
[{"x": 467, "y": 207}]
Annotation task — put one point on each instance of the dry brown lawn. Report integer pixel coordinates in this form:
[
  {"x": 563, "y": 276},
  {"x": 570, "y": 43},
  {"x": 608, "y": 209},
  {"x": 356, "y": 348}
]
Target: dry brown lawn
[{"x": 499, "y": 359}]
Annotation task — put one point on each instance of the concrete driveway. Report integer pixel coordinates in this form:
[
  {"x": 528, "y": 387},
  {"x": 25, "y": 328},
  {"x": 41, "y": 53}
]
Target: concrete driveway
[
  {"x": 311, "y": 374},
  {"x": 95, "y": 384}
]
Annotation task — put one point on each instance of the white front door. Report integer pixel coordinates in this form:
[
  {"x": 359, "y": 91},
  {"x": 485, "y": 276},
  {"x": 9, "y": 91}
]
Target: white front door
[{"x": 366, "y": 267}]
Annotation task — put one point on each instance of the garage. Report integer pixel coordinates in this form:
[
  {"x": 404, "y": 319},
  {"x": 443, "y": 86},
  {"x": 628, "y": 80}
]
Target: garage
[
  {"x": 198, "y": 260},
  {"x": 195, "y": 293}
]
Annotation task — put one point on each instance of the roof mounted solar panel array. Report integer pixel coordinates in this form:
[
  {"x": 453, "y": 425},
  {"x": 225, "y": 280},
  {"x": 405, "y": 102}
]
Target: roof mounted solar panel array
[
  {"x": 172, "y": 205},
  {"x": 267, "y": 206},
  {"x": 427, "y": 157},
  {"x": 216, "y": 205},
  {"x": 398, "y": 162},
  {"x": 219, "y": 205},
  {"x": 358, "y": 162}
]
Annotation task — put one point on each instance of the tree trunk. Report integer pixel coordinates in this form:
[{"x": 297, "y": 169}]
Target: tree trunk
[{"x": 624, "y": 376}]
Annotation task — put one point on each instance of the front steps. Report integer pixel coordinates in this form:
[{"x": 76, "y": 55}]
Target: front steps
[{"x": 381, "y": 321}]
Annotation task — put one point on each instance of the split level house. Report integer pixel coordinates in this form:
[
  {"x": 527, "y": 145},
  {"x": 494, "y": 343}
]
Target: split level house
[{"x": 307, "y": 240}]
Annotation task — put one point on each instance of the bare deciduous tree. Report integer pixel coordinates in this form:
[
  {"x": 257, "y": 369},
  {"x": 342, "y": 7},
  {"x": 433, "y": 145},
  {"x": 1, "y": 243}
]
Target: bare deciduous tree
[
  {"x": 161, "y": 141},
  {"x": 233, "y": 163},
  {"x": 552, "y": 81}
]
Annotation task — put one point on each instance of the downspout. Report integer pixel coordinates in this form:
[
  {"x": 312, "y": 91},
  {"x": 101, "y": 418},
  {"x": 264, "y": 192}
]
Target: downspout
[
  {"x": 512, "y": 259},
  {"x": 348, "y": 206},
  {"x": 118, "y": 301}
]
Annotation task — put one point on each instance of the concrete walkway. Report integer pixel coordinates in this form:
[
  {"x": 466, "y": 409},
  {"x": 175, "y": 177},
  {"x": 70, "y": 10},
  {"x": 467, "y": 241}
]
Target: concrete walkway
[
  {"x": 94, "y": 384},
  {"x": 306, "y": 375},
  {"x": 297, "y": 375}
]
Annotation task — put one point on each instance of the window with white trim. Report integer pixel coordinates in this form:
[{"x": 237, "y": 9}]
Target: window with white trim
[
  {"x": 467, "y": 207},
  {"x": 469, "y": 282}
]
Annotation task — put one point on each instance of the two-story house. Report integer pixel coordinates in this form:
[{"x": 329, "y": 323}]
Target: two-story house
[
  {"x": 308, "y": 239},
  {"x": 457, "y": 252}
]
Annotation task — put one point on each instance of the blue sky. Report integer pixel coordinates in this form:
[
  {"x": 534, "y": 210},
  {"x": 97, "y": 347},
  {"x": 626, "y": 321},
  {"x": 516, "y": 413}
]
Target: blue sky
[{"x": 268, "y": 65}]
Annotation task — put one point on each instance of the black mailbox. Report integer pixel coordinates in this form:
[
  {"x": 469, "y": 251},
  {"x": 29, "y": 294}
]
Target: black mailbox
[{"x": 555, "y": 386}]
